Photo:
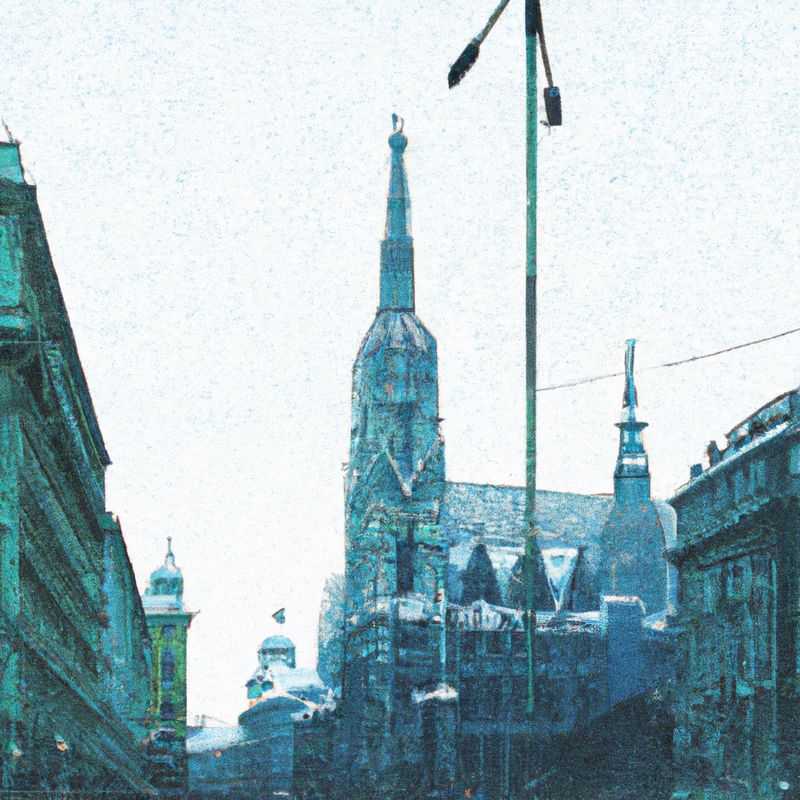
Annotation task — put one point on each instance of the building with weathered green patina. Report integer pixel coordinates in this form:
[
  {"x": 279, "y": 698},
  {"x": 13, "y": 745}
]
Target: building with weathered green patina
[
  {"x": 74, "y": 649},
  {"x": 168, "y": 622}
]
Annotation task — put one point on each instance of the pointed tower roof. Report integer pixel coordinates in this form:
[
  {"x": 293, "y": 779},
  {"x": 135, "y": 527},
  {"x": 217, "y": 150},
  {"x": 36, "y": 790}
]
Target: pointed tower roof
[
  {"x": 632, "y": 473},
  {"x": 398, "y": 203},
  {"x": 479, "y": 580},
  {"x": 397, "y": 249}
]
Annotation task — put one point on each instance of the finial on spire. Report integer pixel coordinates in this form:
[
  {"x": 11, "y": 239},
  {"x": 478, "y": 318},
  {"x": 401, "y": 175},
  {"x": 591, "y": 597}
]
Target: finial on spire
[
  {"x": 629, "y": 398},
  {"x": 398, "y": 140},
  {"x": 170, "y": 557},
  {"x": 397, "y": 257},
  {"x": 398, "y": 208}
]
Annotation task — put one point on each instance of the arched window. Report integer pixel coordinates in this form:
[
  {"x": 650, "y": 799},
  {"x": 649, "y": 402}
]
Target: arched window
[
  {"x": 167, "y": 710},
  {"x": 168, "y": 632}
]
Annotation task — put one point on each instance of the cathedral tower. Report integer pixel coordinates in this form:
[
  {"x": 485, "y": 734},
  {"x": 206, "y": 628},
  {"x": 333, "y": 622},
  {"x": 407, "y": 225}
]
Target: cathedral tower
[{"x": 395, "y": 476}]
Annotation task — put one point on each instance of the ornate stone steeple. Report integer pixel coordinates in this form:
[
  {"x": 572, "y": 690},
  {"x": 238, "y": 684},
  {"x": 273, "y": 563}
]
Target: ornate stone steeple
[
  {"x": 397, "y": 247},
  {"x": 395, "y": 381},
  {"x": 395, "y": 475},
  {"x": 632, "y": 473}
]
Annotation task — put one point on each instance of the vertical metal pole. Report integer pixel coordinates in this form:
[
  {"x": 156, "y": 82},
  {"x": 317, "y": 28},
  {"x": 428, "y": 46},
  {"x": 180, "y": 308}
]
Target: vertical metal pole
[{"x": 530, "y": 344}]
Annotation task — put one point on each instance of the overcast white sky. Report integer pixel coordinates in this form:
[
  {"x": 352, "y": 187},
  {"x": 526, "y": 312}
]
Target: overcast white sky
[{"x": 212, "y": 176}]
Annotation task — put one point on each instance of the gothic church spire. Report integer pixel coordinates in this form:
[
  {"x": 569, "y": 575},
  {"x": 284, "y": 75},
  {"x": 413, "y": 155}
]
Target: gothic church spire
[{"x": 397, "y": 247}]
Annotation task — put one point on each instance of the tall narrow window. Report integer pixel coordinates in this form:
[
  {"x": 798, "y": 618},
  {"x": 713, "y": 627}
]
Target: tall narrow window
[
  {"x": 405, "y": 562},
  {"x": 167, "y": 668}
]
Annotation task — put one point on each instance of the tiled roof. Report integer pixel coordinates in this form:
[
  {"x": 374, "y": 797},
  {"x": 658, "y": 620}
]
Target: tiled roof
[
  {"x": 564, "y": 519},
  {"x": 495, "y": 515}
]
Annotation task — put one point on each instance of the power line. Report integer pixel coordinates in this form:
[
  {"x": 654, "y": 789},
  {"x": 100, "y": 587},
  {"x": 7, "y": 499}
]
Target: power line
[{"x": 595, "y": 378}]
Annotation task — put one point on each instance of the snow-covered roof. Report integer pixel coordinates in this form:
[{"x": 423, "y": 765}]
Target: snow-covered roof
[
  {"x": 732, "y": 454},
  {"x": 278, "y": 699},
  {"x": 290, "y": 678},
  {"x": 495, "y": 516},
  {"x": 413, "y": 609},
  {"x": 277, "y": 642},
  {"x": 774, "y": 418},
  {"x": 559, "y": 564},
  {"x": 497, "y": 513},
  {"x": 669, "y": 522},
  {"x": 443, "y": 692},
  {"x": 162, "y": 602},
  {"x": 217, "y": 738},
  {"x": 481, "y": 615}
]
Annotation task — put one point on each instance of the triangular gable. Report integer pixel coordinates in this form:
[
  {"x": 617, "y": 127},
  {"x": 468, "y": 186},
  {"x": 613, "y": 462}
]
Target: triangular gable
[{"x": 559, "y": 564}]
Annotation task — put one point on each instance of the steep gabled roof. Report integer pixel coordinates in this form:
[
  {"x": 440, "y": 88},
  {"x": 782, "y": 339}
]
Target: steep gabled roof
[
  {"x": 474, "y": 513},
  {"x": 496, "y": 514}
]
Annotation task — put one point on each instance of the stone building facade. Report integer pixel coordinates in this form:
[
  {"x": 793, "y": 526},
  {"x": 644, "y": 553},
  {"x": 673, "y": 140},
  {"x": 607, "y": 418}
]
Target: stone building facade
[
  {"x": 738, "y": 558},
  {"x": 74, "y": 654},
  {"x": 168, "y": 623},
  {"x": 431, "y": 633},
  {"x": 126, "y": 638},
  {"x": 267, "y": 754}
]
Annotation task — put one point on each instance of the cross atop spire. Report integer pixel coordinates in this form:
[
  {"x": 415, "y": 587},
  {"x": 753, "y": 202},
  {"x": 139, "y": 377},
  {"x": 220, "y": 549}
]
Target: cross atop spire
[
  {"x": 397, "y": 249},
  {"x": 632, "y": 473}
]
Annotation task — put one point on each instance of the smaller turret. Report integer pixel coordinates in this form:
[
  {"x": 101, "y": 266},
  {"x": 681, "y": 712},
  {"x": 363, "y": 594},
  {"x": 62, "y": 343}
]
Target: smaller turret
[
  {"x": 276, "y": 649},
  {"x": 632, "y": 473},
  {"x": 166, "y": 583}
]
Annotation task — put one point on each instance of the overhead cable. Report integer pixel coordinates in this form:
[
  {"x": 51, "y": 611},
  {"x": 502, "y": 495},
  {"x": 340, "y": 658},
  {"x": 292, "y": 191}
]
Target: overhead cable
[{"x": 690, "y": 359}]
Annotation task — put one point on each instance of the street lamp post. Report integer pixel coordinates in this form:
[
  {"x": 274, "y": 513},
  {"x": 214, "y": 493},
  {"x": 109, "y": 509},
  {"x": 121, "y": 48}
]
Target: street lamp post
[
  {"x": 533, "y": 30},
  {"x": 530, "y": 343}
]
